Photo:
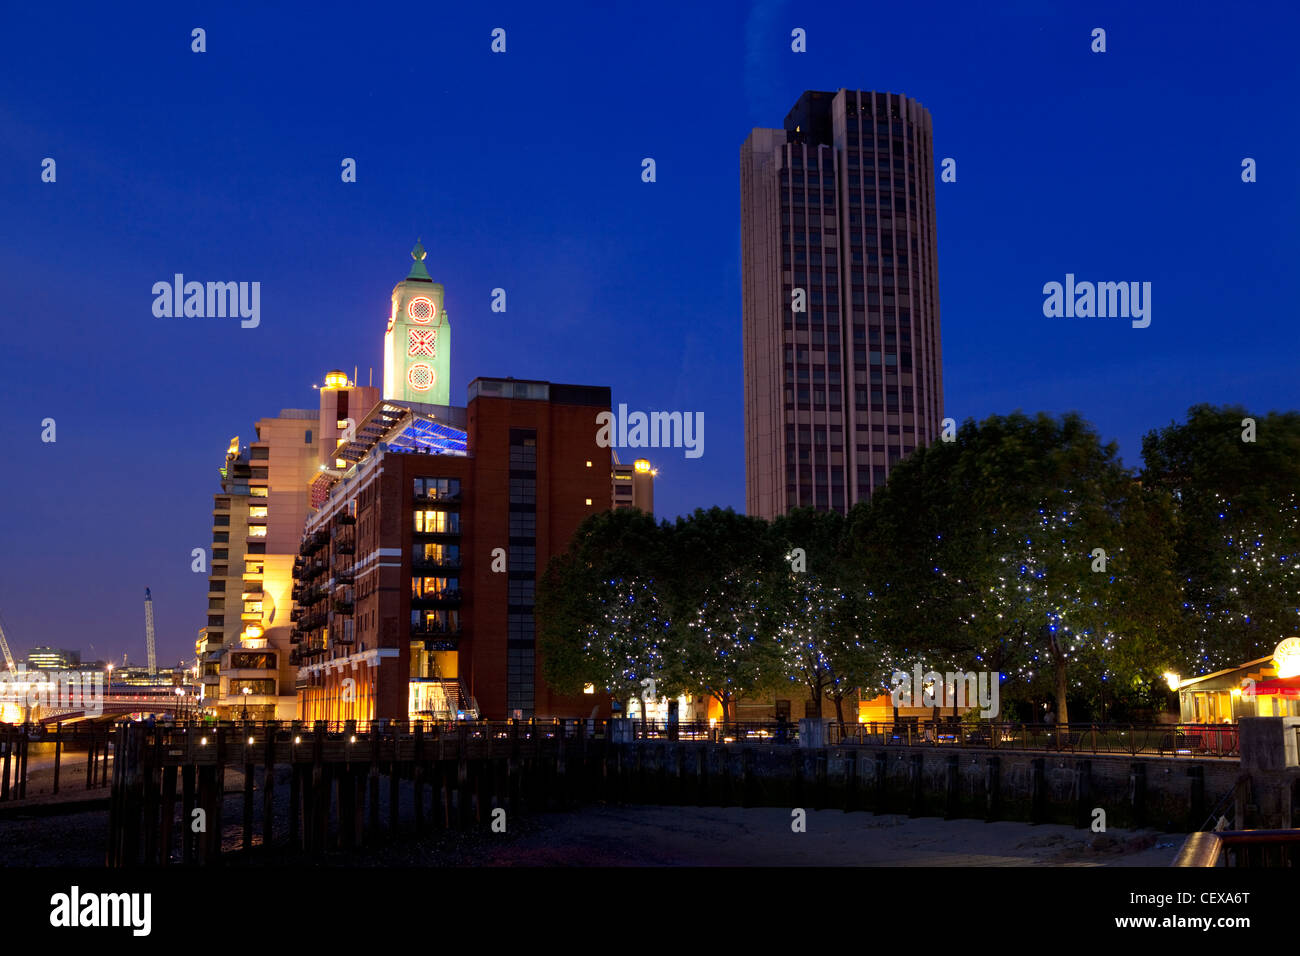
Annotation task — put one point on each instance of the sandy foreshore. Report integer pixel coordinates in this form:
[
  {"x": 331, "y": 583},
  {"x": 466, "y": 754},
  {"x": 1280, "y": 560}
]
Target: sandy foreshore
[{"x": 601, "y": 835}]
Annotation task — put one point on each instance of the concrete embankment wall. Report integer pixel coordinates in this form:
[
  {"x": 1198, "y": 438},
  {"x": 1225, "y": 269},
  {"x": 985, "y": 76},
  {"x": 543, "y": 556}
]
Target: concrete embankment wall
[{"x": 1173, "y": 794}]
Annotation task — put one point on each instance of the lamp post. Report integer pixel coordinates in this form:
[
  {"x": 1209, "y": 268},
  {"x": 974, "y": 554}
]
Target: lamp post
[
  {"x": 180, "y": 703},
  {"x": 246, "y": 691}
]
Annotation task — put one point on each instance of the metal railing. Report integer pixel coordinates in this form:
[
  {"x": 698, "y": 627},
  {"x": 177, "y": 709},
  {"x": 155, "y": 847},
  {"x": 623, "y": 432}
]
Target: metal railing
[{"x": 1173, "y": 740}]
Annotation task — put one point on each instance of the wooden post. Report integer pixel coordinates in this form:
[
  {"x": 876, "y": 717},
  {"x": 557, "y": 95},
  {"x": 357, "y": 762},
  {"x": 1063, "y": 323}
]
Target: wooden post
[
  {"x": 168, "y": 814},
  {"x": 347, "y": 794},
  {"x": 992, "y": 788},
  {"x": 317, "y": 800},
  {"x": 131, "y": 781},
  {"x": 58, "y": 748},
  {"x": 187, "y": 811},
  {"x": 4, "y": 780},
  {"x": 250, "y": 774},
  {"x": 394, "y": 782},
  {"x": 90, "y": 766},
  {"x": 22, "y": 767},
  {"x": 1038, "y": 791},
  {"x": 952, "y": 788},
  {"x": 850, "y": 780},
  {"x": 268, "y": 785},
  {"x": 880, "y": 799},
  {"x": 822, "y": 800},
  {"x": 701, "y": 775},
  {"x": 1083, "y": 792},
  {"x": 152, "y": 779},
  {"x": 1137, "y": 783},
  {"x": 417, "y": 781},
  {"x": 218, "y": 798}
]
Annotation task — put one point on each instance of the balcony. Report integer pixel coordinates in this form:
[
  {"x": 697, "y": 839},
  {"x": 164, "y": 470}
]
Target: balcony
[
  {"x": 440, "y": 564},
  {"x": 449, "y": 597},
  {"x": 438, "y": 501},
  {"x": 343, "y": 576},
  {"x": 344, "y": 519},
  {"x": 345, "y": 547},
  {"x": 343, "y": 607}
]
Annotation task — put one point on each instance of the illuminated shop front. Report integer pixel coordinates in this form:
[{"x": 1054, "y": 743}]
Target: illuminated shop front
[{"x": 1267, "y": 687}]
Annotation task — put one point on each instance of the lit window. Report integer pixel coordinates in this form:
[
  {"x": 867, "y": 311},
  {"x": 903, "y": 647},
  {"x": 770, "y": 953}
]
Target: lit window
[
  {"x": 589, "y": 689},
  {"x": 257, "y": 531},
  {"x": 588, "y": 464},
  {"x": 257, "y": 511},
  {"x": 588, "y": 501}
]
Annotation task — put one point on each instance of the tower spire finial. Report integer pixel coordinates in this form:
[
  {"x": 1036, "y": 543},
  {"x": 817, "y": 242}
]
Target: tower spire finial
[{"x": 418, "y": 271}]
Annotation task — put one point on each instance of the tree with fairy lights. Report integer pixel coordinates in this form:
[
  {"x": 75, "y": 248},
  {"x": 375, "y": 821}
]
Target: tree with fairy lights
[
  {"x": 819, "y": 624},
  {"x": 1030, "y": 551},
  {"x": 601, "y": 617},
  {"x": 1235, "y": 481},
  {"x": 722, "y": 564}
]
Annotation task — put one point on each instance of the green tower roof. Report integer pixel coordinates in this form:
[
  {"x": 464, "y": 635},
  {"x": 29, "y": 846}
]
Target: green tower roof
[{"x": 418, "y": 271}]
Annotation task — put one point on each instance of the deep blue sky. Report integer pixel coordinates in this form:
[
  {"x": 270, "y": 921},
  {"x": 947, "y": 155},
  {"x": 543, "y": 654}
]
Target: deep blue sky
[{"x": 523, "y": 171}]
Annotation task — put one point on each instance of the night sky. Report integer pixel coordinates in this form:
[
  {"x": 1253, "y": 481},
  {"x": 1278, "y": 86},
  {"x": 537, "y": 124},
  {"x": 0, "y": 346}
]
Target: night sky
[{"x": 523, "y": 171}]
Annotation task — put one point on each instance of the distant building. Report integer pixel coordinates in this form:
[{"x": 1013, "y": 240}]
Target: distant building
[
  {"x": 54, "y": 659},
  {"x": 633, "y": 485},
  {"x": 841, "y": 345}
]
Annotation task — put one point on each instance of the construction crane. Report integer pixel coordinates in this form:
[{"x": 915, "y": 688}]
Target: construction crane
[
  {"x": 4, "y": 645},
  {"x": 148, "y": 632}
]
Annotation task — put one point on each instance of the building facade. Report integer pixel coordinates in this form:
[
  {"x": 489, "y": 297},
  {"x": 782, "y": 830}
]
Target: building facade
[
  {"x": 841, "y": 338},
  {"x": 267, "y": 486},
  {"x": 633, "y": 485},
  {"x": 418, "y": 574}
]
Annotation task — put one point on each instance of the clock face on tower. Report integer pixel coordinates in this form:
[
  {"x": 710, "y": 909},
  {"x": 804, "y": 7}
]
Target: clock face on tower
[
  {"x": 420, "y": 309},
  {"x": 421, "y": 377}
]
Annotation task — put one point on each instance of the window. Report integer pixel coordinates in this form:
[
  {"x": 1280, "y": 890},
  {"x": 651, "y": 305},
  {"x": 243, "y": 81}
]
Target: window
[
  {"x": 257, "y": 511},
  {"x": 523, "y": 490},
  {"x": 257, "y": 492},
  {"x": 523, "y": 558},
  {"x": 257, "y": 531},
  {"x": 437, "y": 522},
  {"x": 221, "y": 521},
  {"x": 523, "y": 524},
  {"x": 307, "y": 437},
  {"x": 521, "y": 592},
  {"x": 437, "y": 489}
]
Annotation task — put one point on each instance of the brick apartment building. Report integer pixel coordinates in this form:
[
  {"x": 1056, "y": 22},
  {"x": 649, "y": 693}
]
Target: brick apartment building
[{"x": 417, "y": 575}]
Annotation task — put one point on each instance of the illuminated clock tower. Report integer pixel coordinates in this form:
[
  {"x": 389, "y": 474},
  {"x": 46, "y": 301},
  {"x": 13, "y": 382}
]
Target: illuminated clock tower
[{"x": 417, "y": 345}]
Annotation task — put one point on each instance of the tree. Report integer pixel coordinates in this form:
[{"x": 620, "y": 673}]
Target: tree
[
  {"x": 986, "y": 551},
  {"x": 817, "y": 601},
  {"x": 1237, "y": 538},
  {"x": 722, "y": 619},
  {"x": 600, "y": 616}
]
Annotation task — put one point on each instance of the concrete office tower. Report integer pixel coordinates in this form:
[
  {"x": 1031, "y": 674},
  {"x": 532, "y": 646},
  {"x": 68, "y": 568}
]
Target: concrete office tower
[{"x": 843, "y": 367}]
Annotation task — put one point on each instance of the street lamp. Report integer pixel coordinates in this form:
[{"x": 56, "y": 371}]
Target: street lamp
[
  {"x": 246, "y": 691},
  {"x": 180, "y": 703}
]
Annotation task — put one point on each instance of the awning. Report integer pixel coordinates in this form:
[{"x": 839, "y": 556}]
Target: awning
[{"x": 1278, "y": 687}]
